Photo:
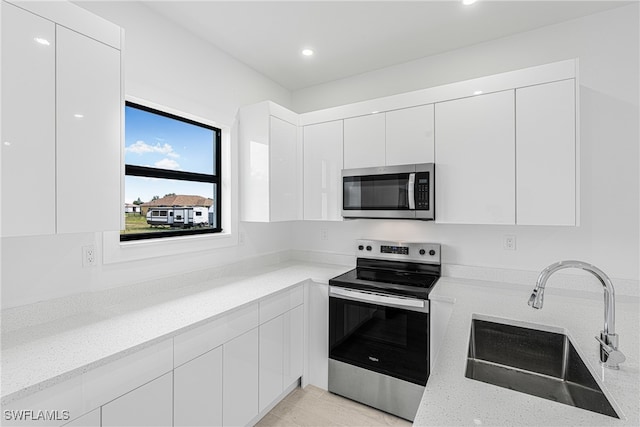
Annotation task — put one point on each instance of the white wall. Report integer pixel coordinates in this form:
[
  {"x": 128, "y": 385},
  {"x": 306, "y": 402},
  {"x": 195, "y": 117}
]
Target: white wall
[
  {"x": 607, "y": 45},
  {"x": 166, "y": 65}
]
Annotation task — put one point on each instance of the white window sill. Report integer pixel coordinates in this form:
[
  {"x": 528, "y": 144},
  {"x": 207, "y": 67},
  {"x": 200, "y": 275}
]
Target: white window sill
[{"x": 115, "y": 251}]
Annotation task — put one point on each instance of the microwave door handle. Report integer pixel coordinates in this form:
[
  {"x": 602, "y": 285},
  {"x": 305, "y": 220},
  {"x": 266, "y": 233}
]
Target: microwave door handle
[{"x": 412, "y": 191}]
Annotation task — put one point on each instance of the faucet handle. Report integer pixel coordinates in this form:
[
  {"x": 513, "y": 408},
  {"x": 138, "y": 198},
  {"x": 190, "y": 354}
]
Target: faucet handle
[{"x": 612, "y": 357}]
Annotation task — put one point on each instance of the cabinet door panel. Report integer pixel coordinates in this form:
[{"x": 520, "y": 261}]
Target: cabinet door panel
[
  {"x": 546, "y": 154},
  {"x": 149, "y": 405},
  {"x": 92, "y": 419},
  {"x": 322, "y": 171},
  {"x": 88, "y": 147},
  {"x": 240, "y": 379},
  {"x": 364, "y": 141},
  {"x": 283, "y": 171},
  {"x": 409, "y": 136},
  {"x": 271, "y": 361},
  {"x": 475, "y": 158},
  {"x": 293, "y": 345},
  {"x": 28, "y": 123},
  {"x": 197, "y": 394}
]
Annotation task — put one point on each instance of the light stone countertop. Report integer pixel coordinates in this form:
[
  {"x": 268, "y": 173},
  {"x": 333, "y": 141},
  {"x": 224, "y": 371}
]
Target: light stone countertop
[
  {"x": 452, "y": 399},
  {"x": 38, "y": 356}
]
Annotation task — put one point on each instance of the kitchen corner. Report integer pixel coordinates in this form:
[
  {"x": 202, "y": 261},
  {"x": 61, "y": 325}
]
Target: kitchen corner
[{"x": 452, "y": 399}]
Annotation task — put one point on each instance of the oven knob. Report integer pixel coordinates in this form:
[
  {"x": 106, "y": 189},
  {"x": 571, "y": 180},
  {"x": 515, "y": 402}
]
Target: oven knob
[
  {"x": 368, "y": 248},
  {"x": 421, "y": 251},
  {"x": 360, "y": 247},
  {"x": 432, "y": 252}
]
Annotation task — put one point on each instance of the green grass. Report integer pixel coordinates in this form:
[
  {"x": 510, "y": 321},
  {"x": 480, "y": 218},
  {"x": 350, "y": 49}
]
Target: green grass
[{"x": 136, "y": 223}]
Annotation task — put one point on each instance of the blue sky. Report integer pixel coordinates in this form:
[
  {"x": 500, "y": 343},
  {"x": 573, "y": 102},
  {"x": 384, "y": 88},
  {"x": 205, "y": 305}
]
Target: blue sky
[{"x": 162, "y": 142}]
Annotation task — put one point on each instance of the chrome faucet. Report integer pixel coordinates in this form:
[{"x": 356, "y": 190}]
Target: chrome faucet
[{"x": 610, "y": 356}]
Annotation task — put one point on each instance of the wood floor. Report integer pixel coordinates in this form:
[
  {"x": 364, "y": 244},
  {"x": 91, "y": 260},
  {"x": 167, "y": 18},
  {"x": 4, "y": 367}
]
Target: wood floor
[{"x": 312, "y": 406}]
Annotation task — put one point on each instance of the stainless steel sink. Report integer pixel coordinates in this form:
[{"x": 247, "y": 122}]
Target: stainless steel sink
[{"x": 539, "y": 363}]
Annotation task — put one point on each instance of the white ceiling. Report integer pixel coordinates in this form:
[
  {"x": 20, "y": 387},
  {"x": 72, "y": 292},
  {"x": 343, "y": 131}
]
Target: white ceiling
[{"x": 353, "y": 37}]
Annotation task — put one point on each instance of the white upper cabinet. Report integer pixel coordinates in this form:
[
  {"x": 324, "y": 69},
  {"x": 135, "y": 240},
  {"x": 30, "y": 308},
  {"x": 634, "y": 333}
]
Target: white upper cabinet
[
  {"x": 322, "y": 146},
  {"x": 61, "y": 122},
  {"x": 28, "y": 123},
  {"x": 364, "y": 141},
  {"x": 475, "y": 159},
  {"x": 89, "y": 127},
  {"x": 270, "y": 164},
  {"x": 409, "y": 136},
  {"x": 546, "y": 154}
]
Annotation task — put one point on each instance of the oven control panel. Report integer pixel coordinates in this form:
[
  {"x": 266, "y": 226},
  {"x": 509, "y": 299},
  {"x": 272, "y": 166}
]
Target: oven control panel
[{"x": 407, "y": 251}]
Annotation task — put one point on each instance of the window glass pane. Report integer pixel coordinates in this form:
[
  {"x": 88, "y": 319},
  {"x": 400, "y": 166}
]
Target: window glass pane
[
  {"x": 163, "y": 142},
  {"x": 165, "y": 205}
]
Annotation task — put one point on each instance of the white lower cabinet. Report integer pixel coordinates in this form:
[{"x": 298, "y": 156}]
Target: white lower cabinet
[
  {"x": 293, "y": 353},
  {"x": 92, "y": 419},
  {"x": 240, "y": 379},
  {"x": 148, "y": 405},
  {"x": 281, "y": 354},
  {"x": 197, "y": 392},
  {"x": 271, "y": 360}
]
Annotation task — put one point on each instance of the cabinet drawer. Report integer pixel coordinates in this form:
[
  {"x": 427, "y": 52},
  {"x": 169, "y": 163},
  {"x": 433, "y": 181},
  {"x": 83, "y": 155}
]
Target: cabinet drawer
[
  {"x": 198, "y": 341},
  {"x": 275, "y": 305}
]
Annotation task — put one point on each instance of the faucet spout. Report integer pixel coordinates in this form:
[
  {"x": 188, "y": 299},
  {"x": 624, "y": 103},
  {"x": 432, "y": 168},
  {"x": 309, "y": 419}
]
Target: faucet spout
[{"x": 608, "y": 338}]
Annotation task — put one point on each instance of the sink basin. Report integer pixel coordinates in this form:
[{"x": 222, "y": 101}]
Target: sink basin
[{"x": 539, "y": 363}]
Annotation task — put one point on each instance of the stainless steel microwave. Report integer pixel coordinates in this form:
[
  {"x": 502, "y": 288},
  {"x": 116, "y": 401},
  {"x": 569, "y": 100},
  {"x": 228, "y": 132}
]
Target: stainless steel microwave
[{"x": 404, "y": 191}]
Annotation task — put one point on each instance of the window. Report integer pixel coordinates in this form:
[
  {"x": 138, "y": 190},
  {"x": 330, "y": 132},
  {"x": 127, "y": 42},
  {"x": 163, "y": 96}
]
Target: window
[{"x": 172, "y": 173}]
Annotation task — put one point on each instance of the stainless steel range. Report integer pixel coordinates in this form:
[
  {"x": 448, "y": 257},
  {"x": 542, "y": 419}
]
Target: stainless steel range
[{"x": 379, "y": 325}]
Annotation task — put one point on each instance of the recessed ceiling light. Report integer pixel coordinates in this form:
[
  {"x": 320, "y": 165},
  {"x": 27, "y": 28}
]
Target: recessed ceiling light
[
  {"x": 307, "y": 52},
  {"x": 477, "y": 92},
  {"x": 468, "y": 2},
  {"x": 42, "y": 41},
  {"x": 78, "y": 116}
]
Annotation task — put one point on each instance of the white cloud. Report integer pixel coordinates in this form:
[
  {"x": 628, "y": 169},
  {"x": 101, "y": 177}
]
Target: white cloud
[
  {"x": 167, "y": 164},
  {"x": 141, "y": 147}
]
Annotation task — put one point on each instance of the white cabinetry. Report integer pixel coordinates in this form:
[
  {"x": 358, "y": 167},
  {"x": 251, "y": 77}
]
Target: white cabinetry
[
  {"x": 148, "y": 405},
  {"x": 92, "y": 419},
  {"x": 281, "y": 343},
  {"x": 28, "y": 123},
  {"x": 61, "y": 116},
  {"x": 364, "y": 141},
  {"x": 88, "y": 105},
  {"x": 271, "y": 360},
  {"x": 409, "y": 136},
  {"x": 546, "y": 154},
  {"x": 198, "y": 391},
  {"x": 396, "y": 137},
  {"x": 240, "y": 379},
  {"x": 293, "y": 361},
  {"x": 270, "y": 164},
  {"x": 322, "y": 146},
  {"x": 475, "y": 159},
  {"x": 317, "y": 335}
]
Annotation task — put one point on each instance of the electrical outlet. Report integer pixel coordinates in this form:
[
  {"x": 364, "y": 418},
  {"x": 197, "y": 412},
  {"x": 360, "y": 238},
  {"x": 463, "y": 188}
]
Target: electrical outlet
[
  {"x": 241, "y": 238},
  {"x": 324, "y": 234},
  {"x": 509, "y": 242},
  {"x": 89, "y": 257}
]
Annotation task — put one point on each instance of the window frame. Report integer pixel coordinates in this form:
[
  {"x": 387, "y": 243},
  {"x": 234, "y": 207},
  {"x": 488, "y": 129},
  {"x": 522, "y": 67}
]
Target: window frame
[{"x": 150, "y": 172}]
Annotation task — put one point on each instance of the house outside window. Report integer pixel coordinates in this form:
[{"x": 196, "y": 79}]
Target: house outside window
[{"x": 172, "y": 175}]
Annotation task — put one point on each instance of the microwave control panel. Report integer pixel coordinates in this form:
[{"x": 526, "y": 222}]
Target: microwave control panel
[{"x": 422, "y": 190}]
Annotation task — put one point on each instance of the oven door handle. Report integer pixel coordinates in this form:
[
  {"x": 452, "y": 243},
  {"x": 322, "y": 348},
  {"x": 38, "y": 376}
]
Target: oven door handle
[{"x": 386, "y": 300}]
